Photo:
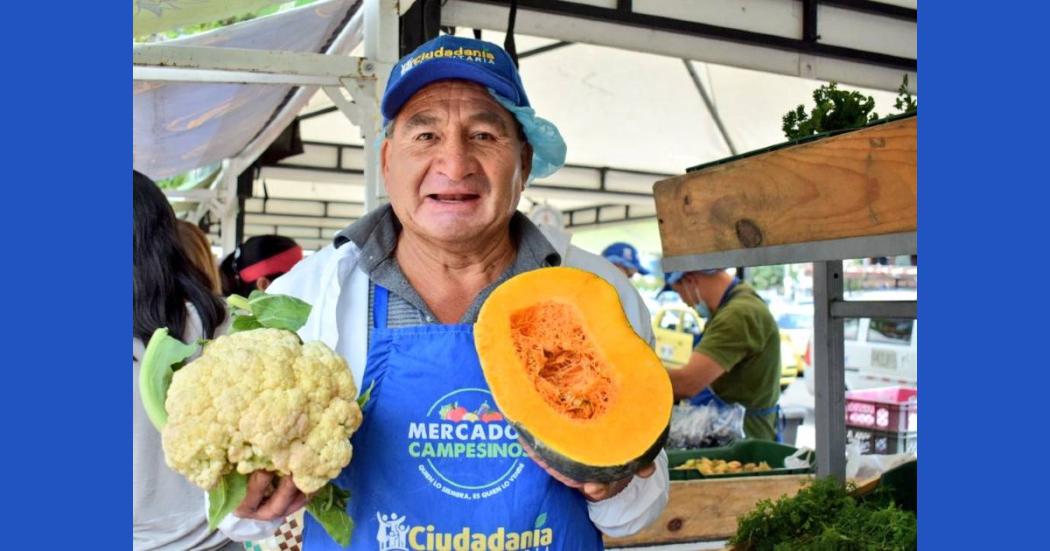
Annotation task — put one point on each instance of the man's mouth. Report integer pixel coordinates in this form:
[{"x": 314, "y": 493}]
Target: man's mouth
[{"x": 452, "y": 197}]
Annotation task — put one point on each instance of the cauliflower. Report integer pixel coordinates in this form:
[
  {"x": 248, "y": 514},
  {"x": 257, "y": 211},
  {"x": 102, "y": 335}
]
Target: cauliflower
[
  {"x": 260, "y": 399},
  {"x": 257, "y": 399}
]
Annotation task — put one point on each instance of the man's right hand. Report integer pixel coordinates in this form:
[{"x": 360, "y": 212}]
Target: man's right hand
[{"x": 260, "y": 504}]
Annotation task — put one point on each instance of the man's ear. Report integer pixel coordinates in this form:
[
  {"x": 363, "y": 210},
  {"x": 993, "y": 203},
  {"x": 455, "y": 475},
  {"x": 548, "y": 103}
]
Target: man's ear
[
  {"x": 384, "y": 165},
  {"x": 526, "y": 164},
  {"x": 262, "y": 283}
]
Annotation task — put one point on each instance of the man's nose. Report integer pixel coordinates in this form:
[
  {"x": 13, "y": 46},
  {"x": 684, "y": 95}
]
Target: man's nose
[{"x": 456, "y": 159}]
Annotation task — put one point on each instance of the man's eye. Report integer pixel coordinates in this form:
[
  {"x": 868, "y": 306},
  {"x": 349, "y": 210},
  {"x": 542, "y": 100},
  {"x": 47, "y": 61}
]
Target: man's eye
[
  {"x": 424, "y": 136},
  {"x": 483, "y": 136}
]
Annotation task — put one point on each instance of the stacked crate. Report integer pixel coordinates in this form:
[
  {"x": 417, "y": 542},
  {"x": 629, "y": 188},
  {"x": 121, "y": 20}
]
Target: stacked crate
[{"x": 883, "y": 420}]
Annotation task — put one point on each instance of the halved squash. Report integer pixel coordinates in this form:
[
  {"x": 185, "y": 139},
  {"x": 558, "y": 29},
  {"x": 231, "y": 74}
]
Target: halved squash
[{"x": 566, "y": 369}]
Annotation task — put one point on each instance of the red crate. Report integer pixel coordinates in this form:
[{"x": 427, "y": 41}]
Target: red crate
[{"x": 889, "y": 409}]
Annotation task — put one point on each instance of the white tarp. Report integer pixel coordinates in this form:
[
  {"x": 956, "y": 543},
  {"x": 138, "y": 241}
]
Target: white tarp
[
  {"x": 156, "y": 16},
  {"x": 181, "y": 126}
]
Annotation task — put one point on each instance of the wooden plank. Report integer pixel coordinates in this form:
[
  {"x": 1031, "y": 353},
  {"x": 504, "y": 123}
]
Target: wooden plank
[
  {"x": 701, "y": 510},
  {"x": 856, "y": 184}
]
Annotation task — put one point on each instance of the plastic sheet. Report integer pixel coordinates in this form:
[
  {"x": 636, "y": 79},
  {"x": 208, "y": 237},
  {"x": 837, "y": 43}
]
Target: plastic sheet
[
  {"x": 860, "y": 466},
  {"x": 707, "y": 426}
]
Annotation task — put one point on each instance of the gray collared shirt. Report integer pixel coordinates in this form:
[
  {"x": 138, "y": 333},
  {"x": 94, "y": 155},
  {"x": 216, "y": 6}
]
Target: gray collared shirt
[{"x": 376, "y": 236}]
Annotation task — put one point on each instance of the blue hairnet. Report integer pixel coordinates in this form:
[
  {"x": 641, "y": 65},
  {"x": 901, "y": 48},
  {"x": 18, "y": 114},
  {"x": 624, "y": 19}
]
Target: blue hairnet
[{"x": 548, "y": 147}]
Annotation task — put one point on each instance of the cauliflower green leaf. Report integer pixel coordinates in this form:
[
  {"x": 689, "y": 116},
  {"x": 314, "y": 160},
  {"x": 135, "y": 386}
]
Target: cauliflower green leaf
[
  {"x": 270, "y": 311},
  {"x": 244, "y": 323},
  {"x": 279, "y": 311},
  {"x": 239, "y": 304},
  {"x": 365, "y": 396},
  {"x": 163, "y": 354},
  {"x": 328, "y": 506},
  {"x": 225, "y": 497}
]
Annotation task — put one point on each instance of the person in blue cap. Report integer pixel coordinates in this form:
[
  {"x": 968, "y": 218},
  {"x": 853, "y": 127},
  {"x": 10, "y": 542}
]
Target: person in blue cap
[
  {"x": 738, "y": 356},
  {"x": 397, "y": 294},
  {"x": 625, "y": 257}
]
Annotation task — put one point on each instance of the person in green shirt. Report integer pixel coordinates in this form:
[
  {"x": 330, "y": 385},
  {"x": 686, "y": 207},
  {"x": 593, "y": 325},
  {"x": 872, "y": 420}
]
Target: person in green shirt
[{"x": 738, "y": 357}]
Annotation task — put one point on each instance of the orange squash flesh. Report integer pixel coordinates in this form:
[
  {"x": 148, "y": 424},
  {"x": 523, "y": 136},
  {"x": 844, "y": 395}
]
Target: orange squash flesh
[
  {"x": 561, "y": 361},
  {"x": 568, "y": 371}
]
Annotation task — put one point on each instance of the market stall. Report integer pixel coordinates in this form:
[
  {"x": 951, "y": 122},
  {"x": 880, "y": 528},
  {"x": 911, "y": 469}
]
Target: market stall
[
  {"x": 858, "y": 190},
  {"x": 842, "y": 196}
]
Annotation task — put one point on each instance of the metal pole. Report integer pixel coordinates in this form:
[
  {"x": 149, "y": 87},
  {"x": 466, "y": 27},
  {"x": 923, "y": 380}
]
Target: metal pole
[
  {"x": 710, "y": 105},
  {"x": 829, "y": 370},
  {"x": 228, "y": 194},
  {"x": 381, "y": 46}
]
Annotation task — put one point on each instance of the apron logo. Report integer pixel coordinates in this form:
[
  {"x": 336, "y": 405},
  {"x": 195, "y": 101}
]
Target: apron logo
[
  {"x": 395, "y": 535},
  {"x": 457, "y": 413},
  {"x": 464, "y": 447}
]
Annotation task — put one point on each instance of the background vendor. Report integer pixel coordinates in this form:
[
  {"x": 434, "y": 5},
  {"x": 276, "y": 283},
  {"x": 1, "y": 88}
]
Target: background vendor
[
  {"x": 625, "y": 257},
  {"x": 738, "y": 358},
  {"x": 257, "y": 263}
]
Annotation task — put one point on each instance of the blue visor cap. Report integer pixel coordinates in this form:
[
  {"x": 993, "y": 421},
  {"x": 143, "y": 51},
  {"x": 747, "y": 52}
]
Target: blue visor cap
[
  {"x": 624, "y": 254},
  {"x": 451, "y": 57},
  {"x": 670, "y": 278}
]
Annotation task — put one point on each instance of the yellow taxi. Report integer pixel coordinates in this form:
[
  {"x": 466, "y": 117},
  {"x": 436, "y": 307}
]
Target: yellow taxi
[
  {"x": 677, "y": 329},
  {"x": 791, "y": 362}
]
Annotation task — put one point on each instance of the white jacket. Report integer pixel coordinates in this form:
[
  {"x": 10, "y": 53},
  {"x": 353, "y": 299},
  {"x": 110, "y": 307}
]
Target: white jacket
[{"x": 329, "y": 280}]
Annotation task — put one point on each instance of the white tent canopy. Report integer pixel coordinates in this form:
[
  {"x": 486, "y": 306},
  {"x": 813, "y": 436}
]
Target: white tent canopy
[
  {"x": 635, "y": 110},
  {"x": 629, "y": 118}
]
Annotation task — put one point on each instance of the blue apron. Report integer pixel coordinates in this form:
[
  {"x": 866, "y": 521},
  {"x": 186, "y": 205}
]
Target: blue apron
[
  {"x": 708, "y": 395},
  {"x": 436, "y": 466}
]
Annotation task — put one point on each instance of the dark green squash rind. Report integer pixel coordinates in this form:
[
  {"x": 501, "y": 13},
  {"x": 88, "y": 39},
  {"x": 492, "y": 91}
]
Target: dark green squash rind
[{"x": 586, "y": 473}]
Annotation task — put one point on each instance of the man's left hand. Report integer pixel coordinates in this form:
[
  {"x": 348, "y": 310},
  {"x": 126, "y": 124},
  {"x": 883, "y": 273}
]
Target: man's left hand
[{"x": 593, "y": 491}]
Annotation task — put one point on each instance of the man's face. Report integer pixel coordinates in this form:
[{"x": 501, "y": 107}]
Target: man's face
[
  {"x": 688, "y": 288},
  {"x": 454, "y": 165}
]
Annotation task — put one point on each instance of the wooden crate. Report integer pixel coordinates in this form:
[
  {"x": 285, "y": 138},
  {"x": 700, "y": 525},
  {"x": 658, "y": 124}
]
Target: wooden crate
[
  {"x": 856, "y": 184},
  {"x": 700, "y": 510}
]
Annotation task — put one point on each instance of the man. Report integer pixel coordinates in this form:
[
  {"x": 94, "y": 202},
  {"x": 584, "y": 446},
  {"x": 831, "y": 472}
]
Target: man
[
  {"x": 397, "y": 293},
  {"x": 738, "y": 358},
  {"x": 625, "y": 257}
]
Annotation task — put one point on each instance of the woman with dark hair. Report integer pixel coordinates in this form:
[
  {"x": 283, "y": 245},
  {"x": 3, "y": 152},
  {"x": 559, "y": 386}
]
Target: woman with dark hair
[
  {"x": 257, "y": 262},
  {"x": 198, "y": 250},
  {"x": 164, "y": 278},
  {"x": 169, "y": 291}
]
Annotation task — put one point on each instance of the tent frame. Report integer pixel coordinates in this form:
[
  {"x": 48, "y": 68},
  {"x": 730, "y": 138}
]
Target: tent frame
[
  {"x": 363, "y": 78},
  {"x": 355, "y": 84},
  {"x": 749, "y": 42}
]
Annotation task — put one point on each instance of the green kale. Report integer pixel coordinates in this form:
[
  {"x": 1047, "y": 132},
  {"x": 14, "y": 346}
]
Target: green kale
[
  {"x": 836, "y": 109},
  {"x": 905, "y": 102},
  {"x": 825, "y": 517}
]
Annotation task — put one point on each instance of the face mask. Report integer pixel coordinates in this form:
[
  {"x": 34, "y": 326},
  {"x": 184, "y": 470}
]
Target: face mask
[{"x": 702, "y": 309}]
